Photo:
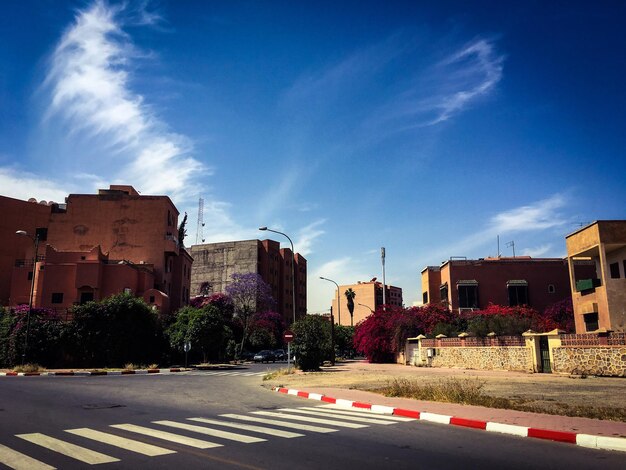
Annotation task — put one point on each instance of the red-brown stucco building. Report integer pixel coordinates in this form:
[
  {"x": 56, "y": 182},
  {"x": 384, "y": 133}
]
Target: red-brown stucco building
[
  {"x": 474, "y": 284},
  {"x": 91, "y": 247}
]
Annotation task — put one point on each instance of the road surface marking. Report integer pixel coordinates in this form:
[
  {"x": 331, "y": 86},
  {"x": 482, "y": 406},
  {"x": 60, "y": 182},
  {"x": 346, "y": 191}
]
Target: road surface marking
[
  {"x": 308, "y": 419},
  {"x": 18, "y": 461},
  {"x": 167, "y": 436},
  {"x": 299, "y": 427},
  {"x": 249, "y": 427},
  {"x": 211, "y": 432},
  {"x": 342, "y": 411},
  {"x": 118, "y": 441},
  {"x": 358, "y": 419},
  {"x": 71, "y": 450}
]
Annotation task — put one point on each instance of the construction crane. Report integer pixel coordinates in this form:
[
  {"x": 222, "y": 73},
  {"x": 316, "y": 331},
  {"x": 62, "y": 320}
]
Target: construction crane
[{"x": 200, "y": 226}]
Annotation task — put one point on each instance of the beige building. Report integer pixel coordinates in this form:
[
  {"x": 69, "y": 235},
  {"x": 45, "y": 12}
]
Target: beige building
[
  {"x": 599, "y": 301},
  {"x": 369, "y": 296}
]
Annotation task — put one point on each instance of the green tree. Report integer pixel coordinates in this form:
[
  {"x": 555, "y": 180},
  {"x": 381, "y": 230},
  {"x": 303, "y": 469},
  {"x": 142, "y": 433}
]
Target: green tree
[
  {"x": 344, "y": 341},
  {"x": 205, "y": 328},
  {"x": 311, "y": 345},
  {"x": 350, "y": 295}
]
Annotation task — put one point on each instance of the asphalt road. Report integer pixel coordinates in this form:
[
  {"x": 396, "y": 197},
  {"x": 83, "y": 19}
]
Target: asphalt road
[{"x": 36, "y": 414}]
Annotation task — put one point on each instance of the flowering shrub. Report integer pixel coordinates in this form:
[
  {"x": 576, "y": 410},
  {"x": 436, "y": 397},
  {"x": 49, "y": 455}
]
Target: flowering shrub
[
  {"x": 266, "y": 330},
  {"x": 558, "y": 315}
]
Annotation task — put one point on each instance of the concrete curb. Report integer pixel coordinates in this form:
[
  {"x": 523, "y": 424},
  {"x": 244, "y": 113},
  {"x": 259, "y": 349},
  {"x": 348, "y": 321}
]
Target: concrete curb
[
  {"x": 583, "y": 440},
  {"x": 94, "y": 373}
]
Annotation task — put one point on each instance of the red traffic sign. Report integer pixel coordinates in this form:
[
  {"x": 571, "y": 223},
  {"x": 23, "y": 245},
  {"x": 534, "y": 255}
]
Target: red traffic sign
[{"x": 288, "y": 336}]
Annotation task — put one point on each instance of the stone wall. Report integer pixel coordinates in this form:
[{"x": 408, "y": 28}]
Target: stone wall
[
  {"x": 607, "y": 361},
  {"x": 485, "y": 358}
]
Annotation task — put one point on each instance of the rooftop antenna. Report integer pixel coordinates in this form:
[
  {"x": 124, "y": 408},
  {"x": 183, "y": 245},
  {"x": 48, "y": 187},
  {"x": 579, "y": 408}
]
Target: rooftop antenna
[
  {"x": 200, "y": 226},
  {"x": 512, "y": 245}
]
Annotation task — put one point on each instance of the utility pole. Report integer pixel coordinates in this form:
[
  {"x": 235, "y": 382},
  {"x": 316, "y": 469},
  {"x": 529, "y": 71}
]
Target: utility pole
[{"x": 382, "y": 257}]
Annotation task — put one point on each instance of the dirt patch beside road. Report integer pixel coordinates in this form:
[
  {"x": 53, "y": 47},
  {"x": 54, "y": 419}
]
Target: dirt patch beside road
[{"x": 548, "y": 393}]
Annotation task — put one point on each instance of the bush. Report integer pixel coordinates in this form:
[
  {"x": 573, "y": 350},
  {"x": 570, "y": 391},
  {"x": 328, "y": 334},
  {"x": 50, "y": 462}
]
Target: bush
[
  {"x": 311, "y": 345},
  {"x": 46, "y": 336},
  {"x": 116, "y": 331}
]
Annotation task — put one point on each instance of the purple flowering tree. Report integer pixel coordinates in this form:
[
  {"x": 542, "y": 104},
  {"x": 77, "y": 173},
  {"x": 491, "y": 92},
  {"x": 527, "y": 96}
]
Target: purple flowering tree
[{"x": 249, "y": 294}]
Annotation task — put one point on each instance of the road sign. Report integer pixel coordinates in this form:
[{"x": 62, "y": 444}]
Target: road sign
[
  {"x": 288, "y": 336},
  {"x": 187, "y": 346}
]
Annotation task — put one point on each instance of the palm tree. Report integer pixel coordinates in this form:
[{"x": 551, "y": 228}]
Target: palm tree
[{"x": 350, "y": 295}]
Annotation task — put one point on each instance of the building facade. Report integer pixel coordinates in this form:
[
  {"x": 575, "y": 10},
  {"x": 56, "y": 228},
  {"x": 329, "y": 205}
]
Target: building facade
[
  {"x": 368, "y": 297},
  {"x": 85, "y": 237},
  {"x": 215, "y": 263},
  {"x": 599, "y": 297},
  {"x": 474, "y": 284}
]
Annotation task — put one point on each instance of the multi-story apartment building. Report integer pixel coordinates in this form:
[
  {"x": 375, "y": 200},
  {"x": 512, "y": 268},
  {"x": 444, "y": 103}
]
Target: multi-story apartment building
[
  {"x": 599, "y": 297},
  {"x": 81, "y": 241},
  {"x": 215, "y": 263},
  {"x": 368, "y": 297},
  {"x": 474, "y": 284}
]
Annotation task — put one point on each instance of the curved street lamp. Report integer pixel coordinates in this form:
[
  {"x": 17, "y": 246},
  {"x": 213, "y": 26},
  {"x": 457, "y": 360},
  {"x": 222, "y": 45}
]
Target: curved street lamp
[
  {"x": 338, "y": 302},
  {"x": 363, "y": 305},
  {"x": 293, "y": 268},
  {"x": 35, "y": 240}
]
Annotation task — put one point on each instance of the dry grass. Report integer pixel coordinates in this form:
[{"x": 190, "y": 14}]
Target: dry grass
[
  {"x": 27, "y": 368},
  {"x": 279, "y": 373},
  {"x": 470, "y": 392}
]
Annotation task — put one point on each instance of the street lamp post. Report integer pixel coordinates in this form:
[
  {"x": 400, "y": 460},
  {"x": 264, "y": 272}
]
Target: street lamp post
[
  {"x": 363, "y": 305},
  {"x": 338, "y": 304},
  {"x": 35, "y": 240},
  {"x": 293, "y": 268}
]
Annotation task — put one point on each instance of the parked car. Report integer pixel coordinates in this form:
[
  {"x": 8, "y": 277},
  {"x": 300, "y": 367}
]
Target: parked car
[
  {"x": 280, "y": 354},
  {"x": 264, "y": 356}
]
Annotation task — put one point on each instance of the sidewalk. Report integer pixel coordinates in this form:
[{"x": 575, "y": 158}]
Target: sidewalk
[{"x": 341, "y": 383}]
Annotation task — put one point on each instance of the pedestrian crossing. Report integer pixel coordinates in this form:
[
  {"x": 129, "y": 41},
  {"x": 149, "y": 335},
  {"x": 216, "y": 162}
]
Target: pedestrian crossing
[{"x": 197, "y": 432}]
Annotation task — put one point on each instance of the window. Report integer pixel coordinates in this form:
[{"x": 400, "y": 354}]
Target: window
[
  {"x": 468, "y": 296},
  {"x": 152, "y": 299},
  {"x": 30, "y": 275},
  {"x": 443, "y": 292},
  {"x": 425, "y": 298},
  {"x": 57, "y": 298},
  {"x": 614, "y": 267},
  {"x": 86, "y": 297},
  {"x": 518, "y": 295},
  {"x": 591, "y": 321},
  {"x": 551, "y": 289}
]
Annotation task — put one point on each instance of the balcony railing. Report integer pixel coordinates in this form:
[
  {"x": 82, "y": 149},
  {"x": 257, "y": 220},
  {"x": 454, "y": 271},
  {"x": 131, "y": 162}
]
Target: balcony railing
[
  {"x": 28, "y": 263},
  {"x": 587, "y": 284}
]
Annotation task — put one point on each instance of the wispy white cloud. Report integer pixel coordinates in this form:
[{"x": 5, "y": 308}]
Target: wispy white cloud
[
  {"x": 307, "y": 237},
  {"x": 540, "y": 216},
  {"x": 25, "y": 185},
  {"x": 537, "y": 251},
  {"x": 446, "y": 88},
  {"x": 90, "y": 83}
]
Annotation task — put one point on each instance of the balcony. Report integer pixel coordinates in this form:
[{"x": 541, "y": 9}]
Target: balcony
[{"x": 171, "y": 243}]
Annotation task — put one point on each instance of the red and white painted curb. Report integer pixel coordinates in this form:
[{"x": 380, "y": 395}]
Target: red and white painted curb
[
  {"x": 89, "y": 373},
  {"x": 584, "y": 440}
]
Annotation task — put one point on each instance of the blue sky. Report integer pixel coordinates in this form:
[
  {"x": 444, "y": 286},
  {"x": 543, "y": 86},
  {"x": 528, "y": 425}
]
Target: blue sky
[{"x": 428, "y": 128}]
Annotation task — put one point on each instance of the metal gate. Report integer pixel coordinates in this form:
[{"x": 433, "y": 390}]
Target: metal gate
[{"x": 544, "y": 353}]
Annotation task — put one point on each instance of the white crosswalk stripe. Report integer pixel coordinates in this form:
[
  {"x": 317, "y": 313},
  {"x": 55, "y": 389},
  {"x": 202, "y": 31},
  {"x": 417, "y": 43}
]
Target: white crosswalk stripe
[
  {"x": 211, "y": 432},
  {"x": 330, "y": 422},
  {"x": 284, "y": 423},
  {"x": 167, "y": 436},
  {"x": 276, "y": 422},
  {"x": 344, "y": 411},
  {"x": 18, "y": 461},
  {"x": 70, "y": 450},
  {"x": 249, "y": 427},
  {"x": 124, "y": 443},
  {"x": 358, "y": 419}
]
